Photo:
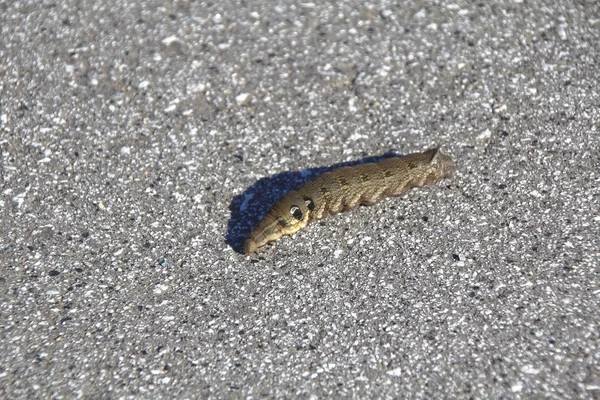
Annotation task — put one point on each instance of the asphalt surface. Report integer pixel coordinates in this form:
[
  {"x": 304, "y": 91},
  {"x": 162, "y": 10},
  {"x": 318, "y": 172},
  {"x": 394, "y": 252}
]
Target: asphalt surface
[{"x": 142, "y": 140}]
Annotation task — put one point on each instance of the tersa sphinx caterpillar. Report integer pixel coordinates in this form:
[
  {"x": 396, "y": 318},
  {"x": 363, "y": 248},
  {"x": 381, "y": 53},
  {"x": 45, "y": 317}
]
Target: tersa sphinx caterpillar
[{"x": 346, "y": 188}]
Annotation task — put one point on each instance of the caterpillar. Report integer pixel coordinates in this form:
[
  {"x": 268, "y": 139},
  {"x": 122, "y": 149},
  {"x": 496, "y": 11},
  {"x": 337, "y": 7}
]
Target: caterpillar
[{"x": 346, "y": 188}]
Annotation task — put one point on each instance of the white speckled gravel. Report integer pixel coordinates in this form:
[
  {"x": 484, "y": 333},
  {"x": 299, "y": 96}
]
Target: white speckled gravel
[{"x": 140, "y": 141}]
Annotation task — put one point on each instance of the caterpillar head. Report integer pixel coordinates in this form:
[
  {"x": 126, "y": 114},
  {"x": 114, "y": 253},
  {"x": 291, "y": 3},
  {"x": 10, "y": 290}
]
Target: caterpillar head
[{"x": 290, "y": 214}]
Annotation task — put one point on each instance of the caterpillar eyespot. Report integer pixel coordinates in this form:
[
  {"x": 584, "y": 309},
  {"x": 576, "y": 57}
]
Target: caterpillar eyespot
[
  {"x": 309, "y": 204},
  {"x": 296, "y": 212},
  {"x": 346, "y": 188}
]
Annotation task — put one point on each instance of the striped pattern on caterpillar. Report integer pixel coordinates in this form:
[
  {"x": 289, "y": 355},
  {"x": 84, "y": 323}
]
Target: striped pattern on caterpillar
[{"x": 346, "y": 188}]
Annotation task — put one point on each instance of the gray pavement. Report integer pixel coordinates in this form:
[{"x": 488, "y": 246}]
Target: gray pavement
[{"x": 142, "y": 140}]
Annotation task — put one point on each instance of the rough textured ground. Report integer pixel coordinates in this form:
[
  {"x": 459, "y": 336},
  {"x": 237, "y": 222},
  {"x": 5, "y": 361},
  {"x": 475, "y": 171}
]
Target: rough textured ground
[{"x": 142, "y": 140}]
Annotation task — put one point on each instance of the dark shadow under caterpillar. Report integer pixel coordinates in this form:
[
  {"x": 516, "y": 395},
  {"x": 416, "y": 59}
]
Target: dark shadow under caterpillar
[{"x": 334, "y": 189}]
